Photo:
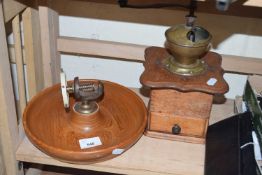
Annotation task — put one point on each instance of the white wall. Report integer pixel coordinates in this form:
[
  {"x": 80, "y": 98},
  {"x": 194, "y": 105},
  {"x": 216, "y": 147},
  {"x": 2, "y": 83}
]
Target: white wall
[{"x": 127, "y": 73}]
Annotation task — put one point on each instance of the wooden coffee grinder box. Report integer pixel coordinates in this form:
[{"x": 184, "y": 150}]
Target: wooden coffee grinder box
[{"x": 183, "y": 78}]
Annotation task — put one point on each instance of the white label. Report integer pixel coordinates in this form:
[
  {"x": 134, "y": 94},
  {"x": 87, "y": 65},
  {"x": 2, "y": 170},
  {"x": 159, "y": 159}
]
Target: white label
[
  {"x": 212, "y": 81},
  {"x": 90, "y": 142},
  {"x": 244, "y": 108},
  {"x": 118, "y": 151},
  {"x": 256, "y": 146}
]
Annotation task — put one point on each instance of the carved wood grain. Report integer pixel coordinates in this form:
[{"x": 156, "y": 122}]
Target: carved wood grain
[
  {"x": 119, "y": 123},
  {"x": 190, "y": 111},
  {"x": 157, "y": 76}
]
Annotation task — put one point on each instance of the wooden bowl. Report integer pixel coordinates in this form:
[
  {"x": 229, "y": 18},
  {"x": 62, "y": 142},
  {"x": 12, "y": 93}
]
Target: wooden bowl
[{"x": 118, "y": 124}]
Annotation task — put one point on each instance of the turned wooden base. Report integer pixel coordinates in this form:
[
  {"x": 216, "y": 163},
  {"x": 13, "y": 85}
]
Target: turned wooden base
[{"x": 188, "y": 112}]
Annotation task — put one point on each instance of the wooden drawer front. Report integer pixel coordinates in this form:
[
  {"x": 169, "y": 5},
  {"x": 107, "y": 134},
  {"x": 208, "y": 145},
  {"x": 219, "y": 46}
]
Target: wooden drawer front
[{"x": 189, "y": 126}]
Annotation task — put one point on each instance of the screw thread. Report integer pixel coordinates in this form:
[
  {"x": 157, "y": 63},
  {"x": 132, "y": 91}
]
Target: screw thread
[
  {"x": 82, "y": 86},
  {"x": 87, "y": 86}
]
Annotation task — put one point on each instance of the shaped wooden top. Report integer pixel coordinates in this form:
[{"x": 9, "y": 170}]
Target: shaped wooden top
[{"x": 157, "y": 76}]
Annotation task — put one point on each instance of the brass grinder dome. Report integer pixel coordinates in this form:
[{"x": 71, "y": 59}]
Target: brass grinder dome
[{"x": 186, "y": 46}]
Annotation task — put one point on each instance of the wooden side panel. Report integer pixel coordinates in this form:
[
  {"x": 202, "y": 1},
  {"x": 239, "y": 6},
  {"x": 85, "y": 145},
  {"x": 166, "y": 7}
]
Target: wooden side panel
[
  {"x": 256, "y": 83},
  {"x": 189, "y": 104},
  {"x": 2, "y": 166},
  {"x": 8, "y": 120},
  {"x": 11, "y": 51},
  {"x": 101, "y": 48},
  {"x": 12, "y": 8},
  {"x": 49, "y": 22},
  {"x": 33, "y": 51},
  {"x": 19, "y": 65}
]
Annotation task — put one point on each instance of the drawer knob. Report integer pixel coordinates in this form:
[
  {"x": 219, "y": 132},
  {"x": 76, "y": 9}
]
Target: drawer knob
[{"x": 176, "y": 129}]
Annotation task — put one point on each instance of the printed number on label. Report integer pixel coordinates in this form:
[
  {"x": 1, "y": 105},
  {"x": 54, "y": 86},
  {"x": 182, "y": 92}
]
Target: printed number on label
[{"x": 89, "y": 142}]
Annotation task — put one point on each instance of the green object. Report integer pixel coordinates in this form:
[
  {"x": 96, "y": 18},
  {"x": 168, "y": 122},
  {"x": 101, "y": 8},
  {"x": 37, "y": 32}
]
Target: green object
[{"x": 251, "y": 100}]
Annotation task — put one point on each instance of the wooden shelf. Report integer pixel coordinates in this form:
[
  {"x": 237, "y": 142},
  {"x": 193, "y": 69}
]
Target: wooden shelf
[
  {"x": 147, "y": 156},
  {"x": 135, "y": 52},
  {"x": 249, "y": 8}
]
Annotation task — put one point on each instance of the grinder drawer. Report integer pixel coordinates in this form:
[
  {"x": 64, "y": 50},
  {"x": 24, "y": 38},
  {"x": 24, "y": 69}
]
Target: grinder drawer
[{"x": 178, "y": 125}]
